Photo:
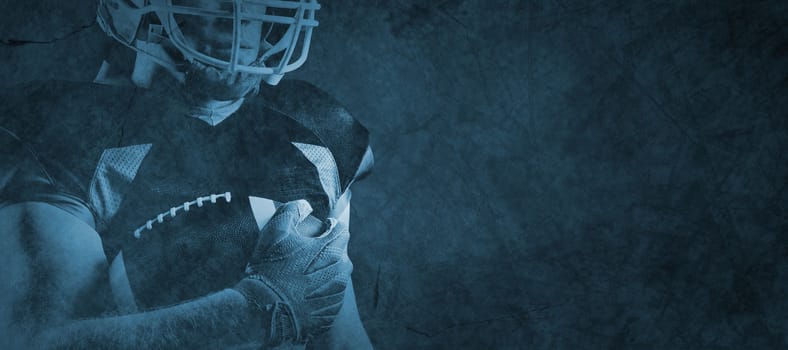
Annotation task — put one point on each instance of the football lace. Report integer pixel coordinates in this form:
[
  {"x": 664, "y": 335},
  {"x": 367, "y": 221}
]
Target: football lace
[{"x": 186, "y": 206}]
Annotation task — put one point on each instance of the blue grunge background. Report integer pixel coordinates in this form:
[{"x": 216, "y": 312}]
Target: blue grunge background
[{"x": 558, "y": 174}]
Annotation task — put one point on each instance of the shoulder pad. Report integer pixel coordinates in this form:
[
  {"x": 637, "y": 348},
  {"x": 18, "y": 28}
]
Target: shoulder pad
[{"x": 326, "y": 118}]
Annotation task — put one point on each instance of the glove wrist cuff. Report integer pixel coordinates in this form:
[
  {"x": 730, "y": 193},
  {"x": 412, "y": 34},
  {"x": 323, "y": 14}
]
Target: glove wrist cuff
[
  {"x": 278, "y": 319},
  {"x": 283, "y": 326}
]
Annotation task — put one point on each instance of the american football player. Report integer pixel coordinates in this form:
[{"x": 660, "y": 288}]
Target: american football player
[{"x": 182, "y": 205}]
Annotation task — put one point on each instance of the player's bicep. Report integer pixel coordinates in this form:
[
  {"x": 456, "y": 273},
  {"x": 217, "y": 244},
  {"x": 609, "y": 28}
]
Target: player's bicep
[
  {"x": 53, "y": 261},
  {"x": 17, "y": 273}
]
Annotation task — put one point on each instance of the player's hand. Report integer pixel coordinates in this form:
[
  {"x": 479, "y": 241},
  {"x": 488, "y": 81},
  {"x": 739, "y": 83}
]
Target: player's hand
[{"x": 300, "y": 280}]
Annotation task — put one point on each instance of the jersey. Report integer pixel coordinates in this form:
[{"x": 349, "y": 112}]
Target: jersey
[{"x": 128, "y": 161}]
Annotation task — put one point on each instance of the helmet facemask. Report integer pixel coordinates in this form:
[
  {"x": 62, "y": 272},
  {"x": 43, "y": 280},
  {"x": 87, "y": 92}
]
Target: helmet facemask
[{"x": 262, "y": 38}]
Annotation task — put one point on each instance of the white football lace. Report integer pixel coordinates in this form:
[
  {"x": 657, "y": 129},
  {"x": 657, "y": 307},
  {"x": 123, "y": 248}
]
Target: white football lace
[{"x": 200, "y": 201}]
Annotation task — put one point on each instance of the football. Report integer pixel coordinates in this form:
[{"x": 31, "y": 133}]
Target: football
[{"x": 191, "y": 250}]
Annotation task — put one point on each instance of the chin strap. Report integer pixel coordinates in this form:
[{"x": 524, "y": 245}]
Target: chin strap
[
  {"x": 144, "y": 71},
  {"x": 150, "y": 58}
]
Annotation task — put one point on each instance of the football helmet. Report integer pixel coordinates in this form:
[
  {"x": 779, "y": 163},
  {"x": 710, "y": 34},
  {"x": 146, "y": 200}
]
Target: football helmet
[{"x": 156, "y": 27}]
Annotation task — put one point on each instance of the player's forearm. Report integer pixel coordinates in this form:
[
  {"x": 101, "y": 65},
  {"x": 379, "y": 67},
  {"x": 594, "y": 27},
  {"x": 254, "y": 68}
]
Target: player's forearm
[{"x": 223, "y": 318}]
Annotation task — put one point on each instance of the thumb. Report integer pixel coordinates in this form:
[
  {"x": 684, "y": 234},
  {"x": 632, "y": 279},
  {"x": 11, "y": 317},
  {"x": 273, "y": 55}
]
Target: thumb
[{"x": 283, "y": 224}]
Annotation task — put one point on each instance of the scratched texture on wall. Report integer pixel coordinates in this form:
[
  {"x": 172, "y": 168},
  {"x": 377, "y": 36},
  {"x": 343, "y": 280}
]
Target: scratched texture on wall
[{"x": 550, "y": 174}]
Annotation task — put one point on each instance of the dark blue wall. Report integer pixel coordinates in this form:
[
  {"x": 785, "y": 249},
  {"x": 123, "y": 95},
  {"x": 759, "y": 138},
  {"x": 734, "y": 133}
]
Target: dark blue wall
[{"x": 562, "y": 174}]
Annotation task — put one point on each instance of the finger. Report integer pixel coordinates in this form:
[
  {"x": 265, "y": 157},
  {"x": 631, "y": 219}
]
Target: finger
[
  {"x": 336, "y": 237},
  {"x": 334, "y": 249},
  {"x": 324, "y": 259},
  {"x": 334, "y": 267},
  {"x": 282, "y": 224},
  {"x": 339, "y": 238},
  {"x": 328, "y": 291},
  {"x": 311, "y": 227},
  {"x": 335, "y": 280}
]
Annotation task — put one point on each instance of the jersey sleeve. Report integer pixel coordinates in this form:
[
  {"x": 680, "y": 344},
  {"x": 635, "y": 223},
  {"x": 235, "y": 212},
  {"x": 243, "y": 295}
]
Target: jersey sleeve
[
  {"x": 52, "y": 135},
  {"x": 24, "y": 178}
]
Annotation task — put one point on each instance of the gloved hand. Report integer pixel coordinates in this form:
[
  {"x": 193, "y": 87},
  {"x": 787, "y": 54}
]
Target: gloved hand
[{"x": 300, "y": 280}]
